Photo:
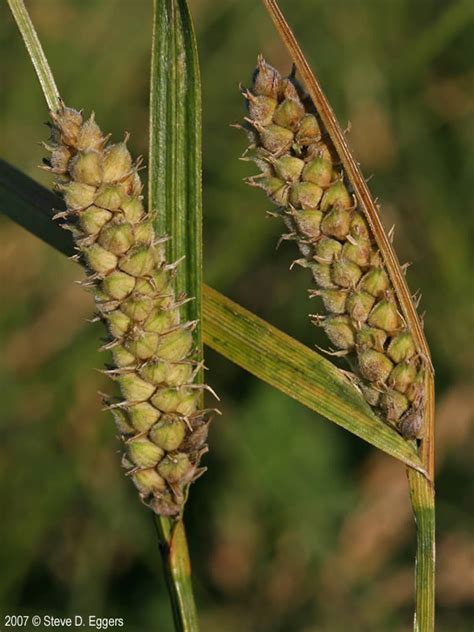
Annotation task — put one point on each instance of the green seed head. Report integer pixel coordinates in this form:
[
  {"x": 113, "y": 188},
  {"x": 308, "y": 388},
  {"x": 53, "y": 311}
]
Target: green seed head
[
  {"x": 327, "y": 250},
  {"x": 275, "y": 188},
  {"x": 117, "y": 163},
  {"x": 371, "y": 338},
  {"x": 308, "y": 223},
  {"x": 78, "y": 195},
  {"x": 375, "y": 282},
  {"x": 385, "y": 316},
  {"x": 288, "y": 168},
  {"x": 168, "y": 433},
  {"x": 289, "y": 114},
  {"x": 261, "y": 108},
  {"x": 133, "y": 209},
  {"x": 358, "y": 251},
  {"x": 118, "y": 285},
  {"x": 122, "y": 357},
  {"x": 305, "y": 195},
  {"x": 149, "y": 482},
  {"x": 266, "y": 80},
  {"x": 90, "y": 137},
  {"x": 359, "y": 305},
  {"x": 143, "y": 416},
  {"x": 374, "y": 365},
  {"x": 276, "y": 139},
  {"x": 117, "y": 238},
  {"x": 86, "y": 167},
  {"x": 100, "y": 260},
  {"x": 334, "y": 301},
  {"x": 345, "y": 273},
  {"x": 318, "y": 171},
  {"x": 144, "y": 453},
  {"x": 117, "y": 323},
  {"x": 359, "y": 228},
  {"x": 336, "y": 223},
  {"x": 110, "y": 197},
  {"x": 307, "y": 178},
  {"x": 336, "y": 196},
  {"x": 402, "y": 376},
  {"x": 144, "y": 345},
  {"x": 340, "y": 332},
  {"x": 135, "y": 389},
  {"x": 309, "y": 131},
  {"x": 322, "y": 275},
  {"x": 401, "y": 347},
  {"x": 394, "y": 404},
  {"x": 140, "y": 261},
  {"x": 175, "y": 467},
  {"x": 135, "y": 297},
  {"x": 92, "y": 219},
  {"x": 176, "y": 345}
]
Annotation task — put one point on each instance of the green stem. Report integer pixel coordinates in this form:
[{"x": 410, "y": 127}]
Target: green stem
[
  {"x": 422, "y": 499},
  {"x": 177, "y": 567},
  {"x": 36, "y": 53}
]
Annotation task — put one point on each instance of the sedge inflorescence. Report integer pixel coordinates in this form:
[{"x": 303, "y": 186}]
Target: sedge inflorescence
[
  {"x": 302, "y": 175},
  {"x": 158, "y": 414}
]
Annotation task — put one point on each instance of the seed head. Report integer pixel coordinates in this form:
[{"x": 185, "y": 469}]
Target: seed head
[
  {"x": 153, "y": 362},
  {"x": 303, "y": 174}
]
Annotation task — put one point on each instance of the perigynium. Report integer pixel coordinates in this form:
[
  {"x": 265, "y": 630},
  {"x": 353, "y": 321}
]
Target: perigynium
[
  {"x": 158, "y": 414},
  {"x": 302, "y": 175}
]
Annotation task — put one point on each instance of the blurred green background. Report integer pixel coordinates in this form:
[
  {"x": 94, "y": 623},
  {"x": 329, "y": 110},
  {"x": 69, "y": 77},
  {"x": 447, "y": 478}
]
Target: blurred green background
[{"x": 297, "y": 526}]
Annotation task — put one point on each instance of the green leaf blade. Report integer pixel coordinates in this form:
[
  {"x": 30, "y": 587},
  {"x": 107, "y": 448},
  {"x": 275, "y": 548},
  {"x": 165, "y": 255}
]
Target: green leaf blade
[
  {"x": 175, "y": 196},
  {"x": 175, "y": 146},
  {"x": 36, "y": 53},
  {"x": 31, "y": 205}
]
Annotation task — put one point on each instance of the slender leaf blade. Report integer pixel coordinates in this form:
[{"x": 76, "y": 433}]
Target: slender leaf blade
[
  {"x": 36, "y": 53},
  {"x": 32, "y": 206},
  {"x": 175, "y": 145},
  {"x": 175, "y": 195}
]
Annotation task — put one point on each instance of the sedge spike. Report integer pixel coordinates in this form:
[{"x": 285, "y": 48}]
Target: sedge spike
[
  {"x": 158, "y": 415},
  {"x": 302, "y": 175}
]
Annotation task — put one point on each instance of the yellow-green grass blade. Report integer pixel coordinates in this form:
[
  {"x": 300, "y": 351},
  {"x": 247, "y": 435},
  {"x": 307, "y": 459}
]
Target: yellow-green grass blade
[{"x": 294, "y": 369}]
